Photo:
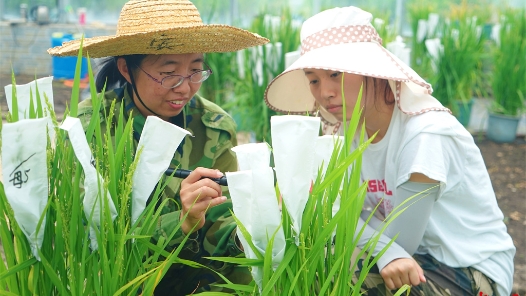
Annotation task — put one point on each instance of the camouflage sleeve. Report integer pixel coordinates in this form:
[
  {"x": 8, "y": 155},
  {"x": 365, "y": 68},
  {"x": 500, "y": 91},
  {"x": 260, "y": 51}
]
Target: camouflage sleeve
[
  {"x": 225, "y": 159},
  {"x": 216, "y": 238},
  {"x": 220, "y": 238},
  {"x": 85, "y": 112}
]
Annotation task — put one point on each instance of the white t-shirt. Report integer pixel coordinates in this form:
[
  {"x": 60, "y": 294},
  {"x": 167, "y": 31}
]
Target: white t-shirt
[{"x": 466, "y": 226}]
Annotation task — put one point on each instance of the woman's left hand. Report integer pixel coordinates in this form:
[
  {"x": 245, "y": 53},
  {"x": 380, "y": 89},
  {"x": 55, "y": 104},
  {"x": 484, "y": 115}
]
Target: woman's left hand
[{"x": 402, "y": 271}]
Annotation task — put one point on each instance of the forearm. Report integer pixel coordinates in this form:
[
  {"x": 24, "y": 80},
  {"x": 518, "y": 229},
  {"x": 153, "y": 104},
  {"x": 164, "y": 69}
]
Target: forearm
[
  {"x": 393, "y": 252},
  {"x": 414, "y": 201},
  {"x": 410, "y": 225}
]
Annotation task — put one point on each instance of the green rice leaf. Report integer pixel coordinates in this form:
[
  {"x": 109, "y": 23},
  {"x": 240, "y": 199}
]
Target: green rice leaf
[
  {"x": 248, "y": 237},
  {"x": 75, "y": 91},
  {"x": 214, "y": 293},
  {"x": 239, "y": 261},
  {"x": 14, "y": 99},
  {"x": 53, "y": 277},
  {"x": 17, "y": 268},
  {"x": 39, "y": 108},
  {"x": 32, "y": 112},
  {"x": 6, "y": 293},
  {"x": 404, "y": 288},
  {"x": 287, "y": 258}
]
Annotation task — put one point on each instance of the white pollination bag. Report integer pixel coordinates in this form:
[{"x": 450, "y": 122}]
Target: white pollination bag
[
  {"x": 293, "y": 144},
  {"x": 156, "y": 148},
  {"x": 25, "y": 175},
  {"x": 94, "y": 191},
  {"x": 255, "y": 203}
]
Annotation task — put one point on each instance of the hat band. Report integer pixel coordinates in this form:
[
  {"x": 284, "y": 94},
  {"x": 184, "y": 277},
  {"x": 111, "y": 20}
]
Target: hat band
[{"x": 340, "y": 35}]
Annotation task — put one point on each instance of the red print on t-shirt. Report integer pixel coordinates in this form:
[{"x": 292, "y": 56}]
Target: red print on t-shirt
[
  {"x": 378, "y": 186},
  {"x": 379, "y": 192}
]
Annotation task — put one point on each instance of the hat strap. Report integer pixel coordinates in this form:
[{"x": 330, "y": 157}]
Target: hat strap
[
  {"x": 139, "y": 97},
  {"x": 340, "y": 35}
]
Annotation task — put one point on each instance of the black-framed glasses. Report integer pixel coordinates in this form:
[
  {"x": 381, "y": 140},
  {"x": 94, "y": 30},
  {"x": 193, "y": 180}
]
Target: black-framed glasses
[{"x": 173, "y": 81}]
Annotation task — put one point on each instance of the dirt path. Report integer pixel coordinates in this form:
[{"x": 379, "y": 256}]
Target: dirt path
[{"x": 506, "y": 165}]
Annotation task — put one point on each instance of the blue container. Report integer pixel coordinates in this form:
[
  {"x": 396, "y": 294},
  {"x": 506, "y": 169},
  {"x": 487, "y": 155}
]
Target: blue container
[
  {"x": 64, "y": 67},
  {"x": 502, "y": 128},
  {"x": 464, "y": 112}
]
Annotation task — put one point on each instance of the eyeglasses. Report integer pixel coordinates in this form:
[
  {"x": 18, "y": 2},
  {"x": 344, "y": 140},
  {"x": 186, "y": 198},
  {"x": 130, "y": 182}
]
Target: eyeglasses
[{"x": 173, "y": 81}]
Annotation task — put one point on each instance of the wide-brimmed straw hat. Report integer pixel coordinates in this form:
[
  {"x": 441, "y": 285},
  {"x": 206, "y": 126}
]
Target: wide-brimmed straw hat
[
  {"x": 162, "y": 27},
  {"x": 343, "y": 39}
]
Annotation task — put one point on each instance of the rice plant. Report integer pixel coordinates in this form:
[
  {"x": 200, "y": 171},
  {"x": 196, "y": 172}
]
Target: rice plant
[
  {"x": 323, "y": 258},
  {"x": 509, "y": 64},
  {"x": 127, "y": 260},
  {"x": 219, "y": 87},
  {"x": 458, "y": 63},
  {"x": 418, "y": 12}
]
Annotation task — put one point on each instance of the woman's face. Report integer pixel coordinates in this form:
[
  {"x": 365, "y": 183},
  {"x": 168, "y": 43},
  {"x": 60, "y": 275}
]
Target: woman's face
[
  {"x": 164, "y": 102},
  {"x": 326, "y": 87}
]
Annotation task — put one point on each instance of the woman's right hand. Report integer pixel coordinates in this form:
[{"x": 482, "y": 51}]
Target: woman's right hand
[
  {"x": 198, "y": 194},
  {"x": 402, "y": 271}
]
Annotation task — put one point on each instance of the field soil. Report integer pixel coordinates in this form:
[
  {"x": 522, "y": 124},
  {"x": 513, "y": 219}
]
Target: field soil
[{"x": 506, "y": 164}]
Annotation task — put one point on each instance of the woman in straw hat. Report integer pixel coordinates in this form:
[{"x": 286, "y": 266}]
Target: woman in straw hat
[
  {"x": 452, "y": 241},
  {"x": 155, "y": 67}
]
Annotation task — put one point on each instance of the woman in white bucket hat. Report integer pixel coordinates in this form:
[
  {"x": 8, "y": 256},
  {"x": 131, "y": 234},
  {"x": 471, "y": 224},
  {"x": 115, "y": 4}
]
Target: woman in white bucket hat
[
  {"x": 155, "y": 66},
  {"x": 454, "y": 240}
]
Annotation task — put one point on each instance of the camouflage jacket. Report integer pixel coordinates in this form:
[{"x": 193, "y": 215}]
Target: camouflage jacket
[{"x": 213, "y": 133}]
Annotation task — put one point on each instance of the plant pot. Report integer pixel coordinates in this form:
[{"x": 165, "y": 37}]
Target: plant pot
[
  {"x": 464, "y": 111},
  {"x": 486, "y": 31},
  {"x": 502, "y": 128}
]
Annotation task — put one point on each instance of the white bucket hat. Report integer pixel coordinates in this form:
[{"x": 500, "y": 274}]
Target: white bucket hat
[{"x": 343, "y": 39}]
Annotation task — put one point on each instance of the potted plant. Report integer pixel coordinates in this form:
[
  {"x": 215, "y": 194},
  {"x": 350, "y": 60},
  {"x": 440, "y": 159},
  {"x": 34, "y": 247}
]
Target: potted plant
[
  {"x": 419, "y": 15},
  {"x": 257, "y": 67},
  {"x": 509, "y": 77},
  {"x": 457, "y": 65}
]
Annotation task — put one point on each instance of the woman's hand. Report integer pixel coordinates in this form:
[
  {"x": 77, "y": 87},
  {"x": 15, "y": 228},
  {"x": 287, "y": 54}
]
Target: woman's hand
[
  {"x": 402, "y": 271},
  {"x": 198, "y": 194}
]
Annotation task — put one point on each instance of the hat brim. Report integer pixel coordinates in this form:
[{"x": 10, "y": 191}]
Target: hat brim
[
  {"x": 289, "y": 92},
  {"x": 196, "y": 39}
]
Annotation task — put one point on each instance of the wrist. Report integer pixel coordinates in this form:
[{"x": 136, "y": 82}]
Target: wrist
[{"x": 188, "y": 226}]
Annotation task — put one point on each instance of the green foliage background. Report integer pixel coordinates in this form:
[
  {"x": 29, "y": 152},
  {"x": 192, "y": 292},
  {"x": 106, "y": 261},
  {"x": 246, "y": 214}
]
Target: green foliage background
[{"x": 221, "y": 10}]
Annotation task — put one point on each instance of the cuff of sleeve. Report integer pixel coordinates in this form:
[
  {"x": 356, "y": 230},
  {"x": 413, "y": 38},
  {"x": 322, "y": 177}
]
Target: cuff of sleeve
[
  {"x": 234, "y": 244},
  {"x": 392, "y": 253}
]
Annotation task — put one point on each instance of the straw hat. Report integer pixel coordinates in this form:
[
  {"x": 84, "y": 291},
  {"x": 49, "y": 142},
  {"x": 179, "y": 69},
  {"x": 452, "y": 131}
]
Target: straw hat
[
  {"x": 162, "y": 27},
  {"x": 343, "y": 39}
]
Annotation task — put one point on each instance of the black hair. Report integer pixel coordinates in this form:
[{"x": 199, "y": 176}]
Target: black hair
[
  {"x": 377, "y": 84},
  {"x": 109, "y": 73}
]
